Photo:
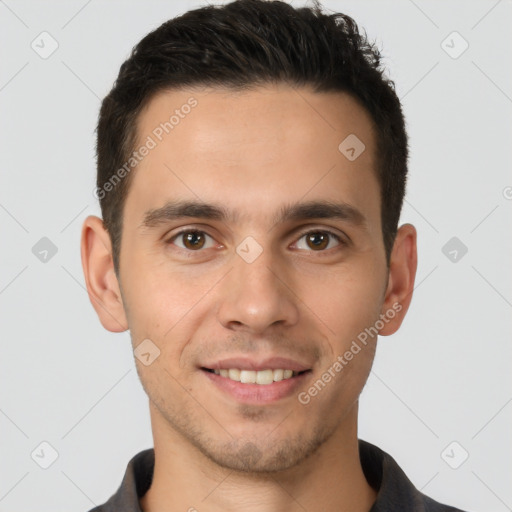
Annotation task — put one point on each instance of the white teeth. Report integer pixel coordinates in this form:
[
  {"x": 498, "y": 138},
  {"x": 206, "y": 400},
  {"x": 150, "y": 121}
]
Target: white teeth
[
  {"x": 278, "y": 375},
  {"x": 247, "y": 377},
  {"x": 234, "y": 374},
  {"x": 263, "y": 377}
]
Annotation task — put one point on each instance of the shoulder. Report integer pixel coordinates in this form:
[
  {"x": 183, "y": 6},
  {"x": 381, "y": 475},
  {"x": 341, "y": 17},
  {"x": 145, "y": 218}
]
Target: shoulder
[
  {"x": 394, "y": 490},
  {"x": 136, "y": 481}
]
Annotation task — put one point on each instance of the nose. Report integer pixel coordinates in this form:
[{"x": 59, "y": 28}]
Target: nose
[{"x": 257, "y": 296}]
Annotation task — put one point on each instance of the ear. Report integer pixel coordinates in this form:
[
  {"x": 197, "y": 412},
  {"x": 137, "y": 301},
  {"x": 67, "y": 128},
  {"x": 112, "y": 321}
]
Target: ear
[
  {"x": 402, "y": 272},
  {"x": 100, "y": 278}
]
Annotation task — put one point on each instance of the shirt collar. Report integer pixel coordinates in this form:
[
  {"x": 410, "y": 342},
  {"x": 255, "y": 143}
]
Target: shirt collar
[{"x": 394, "y": 490}]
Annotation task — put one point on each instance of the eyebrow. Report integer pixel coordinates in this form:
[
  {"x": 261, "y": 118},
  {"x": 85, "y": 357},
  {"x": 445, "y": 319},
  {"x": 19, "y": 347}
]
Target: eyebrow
[{"x": 319, "y": 209}]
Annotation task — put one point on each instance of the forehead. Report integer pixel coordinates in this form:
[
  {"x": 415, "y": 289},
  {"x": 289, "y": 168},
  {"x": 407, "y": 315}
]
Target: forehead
[{"x": 255, "y": 150}]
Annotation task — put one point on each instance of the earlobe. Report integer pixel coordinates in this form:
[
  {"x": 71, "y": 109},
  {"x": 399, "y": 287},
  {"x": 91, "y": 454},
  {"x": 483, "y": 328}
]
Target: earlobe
[
  {"x": 100, "y": 278},
  {"x": 402, "y": 273}
]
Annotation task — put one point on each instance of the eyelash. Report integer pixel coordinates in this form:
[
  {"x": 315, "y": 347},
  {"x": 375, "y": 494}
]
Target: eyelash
[{"x": 337, "y": 237}]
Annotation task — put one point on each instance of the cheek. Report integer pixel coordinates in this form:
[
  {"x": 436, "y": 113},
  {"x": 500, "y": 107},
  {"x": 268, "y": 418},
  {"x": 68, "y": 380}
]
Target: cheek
[
  {"x": 347, "y": 301},
  {"x": 163, "y": 305}
]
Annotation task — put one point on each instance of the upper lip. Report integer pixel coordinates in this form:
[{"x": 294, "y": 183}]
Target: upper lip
[{"x": 244, "y": 363}]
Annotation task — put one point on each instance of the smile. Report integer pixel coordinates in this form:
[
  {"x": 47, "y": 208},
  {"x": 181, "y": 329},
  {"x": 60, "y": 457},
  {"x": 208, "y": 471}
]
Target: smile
[{"x": 263, "y": 377}]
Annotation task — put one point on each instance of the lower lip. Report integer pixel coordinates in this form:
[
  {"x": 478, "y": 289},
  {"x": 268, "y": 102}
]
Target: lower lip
[{"x": 257, "y": 393}]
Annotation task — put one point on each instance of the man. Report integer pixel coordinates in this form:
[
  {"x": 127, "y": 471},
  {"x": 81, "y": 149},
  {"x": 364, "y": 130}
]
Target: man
[{"x": 252, "y": 162}]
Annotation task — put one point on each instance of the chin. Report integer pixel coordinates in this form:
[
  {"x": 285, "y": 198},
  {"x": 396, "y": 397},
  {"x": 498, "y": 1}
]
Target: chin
[{"x": 267, "y": 456}]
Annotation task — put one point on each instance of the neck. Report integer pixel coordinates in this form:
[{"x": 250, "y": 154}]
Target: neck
[{"x": 331, "y": 479}]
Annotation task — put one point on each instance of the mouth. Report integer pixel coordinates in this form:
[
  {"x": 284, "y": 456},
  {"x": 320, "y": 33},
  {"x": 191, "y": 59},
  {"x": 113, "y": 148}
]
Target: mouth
[
  {"x": 261, "y": 377},
  {"x": 257, "y": 382}
]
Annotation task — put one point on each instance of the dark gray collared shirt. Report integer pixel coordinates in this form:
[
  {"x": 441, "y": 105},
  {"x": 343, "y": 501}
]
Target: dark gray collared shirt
[{"x": 396, "y": 493}]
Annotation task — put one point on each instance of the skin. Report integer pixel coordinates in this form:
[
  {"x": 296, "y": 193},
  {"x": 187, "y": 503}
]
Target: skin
[{"x": 254, "y": 152}]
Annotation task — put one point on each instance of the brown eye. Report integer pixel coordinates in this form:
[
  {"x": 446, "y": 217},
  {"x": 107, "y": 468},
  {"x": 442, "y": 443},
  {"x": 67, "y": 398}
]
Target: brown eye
[
  {"x": 318, "y": 240},
  {"x": 192, "y": 240}
]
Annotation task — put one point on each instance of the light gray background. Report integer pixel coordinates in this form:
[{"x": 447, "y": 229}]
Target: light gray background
[{"x": 444, "y": 377}]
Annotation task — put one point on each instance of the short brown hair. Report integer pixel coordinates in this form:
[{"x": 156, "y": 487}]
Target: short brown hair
[{"x": 243, "y": 44}]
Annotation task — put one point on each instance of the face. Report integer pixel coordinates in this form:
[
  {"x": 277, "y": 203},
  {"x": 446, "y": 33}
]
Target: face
[{"x": 251, "y": 250}]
